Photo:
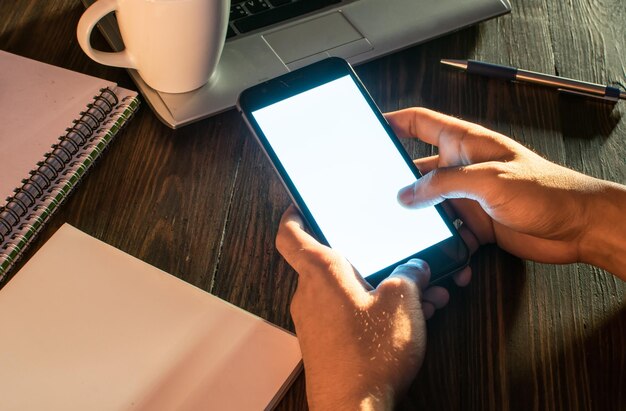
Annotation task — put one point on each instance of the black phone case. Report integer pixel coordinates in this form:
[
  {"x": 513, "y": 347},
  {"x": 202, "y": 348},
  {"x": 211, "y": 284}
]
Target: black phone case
[{"x": 444, "y": 258}]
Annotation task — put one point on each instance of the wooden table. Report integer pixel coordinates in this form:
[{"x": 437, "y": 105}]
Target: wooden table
[{"x": 203, "y": 203}]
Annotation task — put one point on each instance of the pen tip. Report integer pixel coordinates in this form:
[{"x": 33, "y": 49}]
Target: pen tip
[{"x": 462, "y": 64}]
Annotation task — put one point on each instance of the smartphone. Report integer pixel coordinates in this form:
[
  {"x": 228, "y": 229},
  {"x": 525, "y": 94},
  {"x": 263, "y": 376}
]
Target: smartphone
[{"x": 343, "y": 167}]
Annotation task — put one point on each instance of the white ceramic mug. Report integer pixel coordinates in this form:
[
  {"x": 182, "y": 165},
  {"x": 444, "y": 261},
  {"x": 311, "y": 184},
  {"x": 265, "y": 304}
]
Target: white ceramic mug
[{"x": 175, "y": 45}]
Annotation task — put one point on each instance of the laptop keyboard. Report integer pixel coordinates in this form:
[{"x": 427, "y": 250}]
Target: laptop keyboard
[{"x": 250, "y": 15}]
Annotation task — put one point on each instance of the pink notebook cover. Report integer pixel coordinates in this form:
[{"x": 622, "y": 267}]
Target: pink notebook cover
[
  {"x": 37, "y": 103},
  {"x": 84, "y": 326}
]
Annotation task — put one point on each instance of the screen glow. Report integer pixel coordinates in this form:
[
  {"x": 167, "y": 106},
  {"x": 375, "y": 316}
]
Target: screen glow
[{"x": 348, "y": 171}]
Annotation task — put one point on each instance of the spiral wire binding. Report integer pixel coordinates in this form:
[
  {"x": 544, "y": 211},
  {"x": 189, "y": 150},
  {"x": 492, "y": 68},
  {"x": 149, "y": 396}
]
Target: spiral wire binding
[{"x": 40, "y": 195}]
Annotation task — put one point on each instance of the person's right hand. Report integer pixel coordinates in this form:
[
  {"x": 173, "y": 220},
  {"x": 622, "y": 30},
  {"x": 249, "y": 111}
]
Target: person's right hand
[{"x": 505, "y": 193}]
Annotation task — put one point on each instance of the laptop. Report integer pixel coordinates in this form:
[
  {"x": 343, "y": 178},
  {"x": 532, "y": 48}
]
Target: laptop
[{"x": 267, "y": 38}]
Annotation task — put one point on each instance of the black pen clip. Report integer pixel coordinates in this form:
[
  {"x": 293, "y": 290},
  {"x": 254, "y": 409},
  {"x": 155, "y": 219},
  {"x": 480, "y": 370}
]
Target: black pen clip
[{"x": 581, "y": 93}]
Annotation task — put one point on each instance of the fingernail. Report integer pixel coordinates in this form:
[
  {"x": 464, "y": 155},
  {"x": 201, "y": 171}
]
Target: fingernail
[
  {"x": 419, "y": 268},
  {"x": 417, "y": 263},
  {"x": 406, "y": 195}
]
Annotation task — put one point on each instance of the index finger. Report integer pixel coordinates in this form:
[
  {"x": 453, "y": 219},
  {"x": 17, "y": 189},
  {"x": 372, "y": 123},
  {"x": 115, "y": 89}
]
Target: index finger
[
  {"x": 305, "y": 254},
  {"x": 460, "y": 142},
  {"x": 291, "y": 238},
  {"x": 427, "y": 125}
]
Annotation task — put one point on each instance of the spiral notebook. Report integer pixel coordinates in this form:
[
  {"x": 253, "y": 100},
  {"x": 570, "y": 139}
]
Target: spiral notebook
[
  {"x": 85, "y": 326},
  {"x": 54, "y": 123}
]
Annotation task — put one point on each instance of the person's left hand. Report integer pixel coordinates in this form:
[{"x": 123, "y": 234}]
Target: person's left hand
[{"x": 361, "y": 347}]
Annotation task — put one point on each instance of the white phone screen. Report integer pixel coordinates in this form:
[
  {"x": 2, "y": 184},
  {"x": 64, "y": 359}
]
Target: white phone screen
[{"x": 348, "y": 172}]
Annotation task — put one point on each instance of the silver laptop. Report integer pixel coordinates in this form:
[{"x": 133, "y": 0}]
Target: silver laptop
[{"x": 267, "y": 38}]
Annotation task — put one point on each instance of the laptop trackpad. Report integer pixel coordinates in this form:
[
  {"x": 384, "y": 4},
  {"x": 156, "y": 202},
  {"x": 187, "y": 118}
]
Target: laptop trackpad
[{"x": 331, "y": 33}]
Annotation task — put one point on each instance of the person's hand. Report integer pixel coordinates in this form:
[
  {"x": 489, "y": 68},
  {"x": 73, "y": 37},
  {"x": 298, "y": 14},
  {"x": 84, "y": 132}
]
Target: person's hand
[
  {"x": 361, "y": 347},
  {"x": 505, "y": 193}
]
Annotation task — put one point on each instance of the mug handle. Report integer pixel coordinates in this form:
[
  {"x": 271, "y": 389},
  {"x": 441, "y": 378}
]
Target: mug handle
[{"x": 87, "y": 22}]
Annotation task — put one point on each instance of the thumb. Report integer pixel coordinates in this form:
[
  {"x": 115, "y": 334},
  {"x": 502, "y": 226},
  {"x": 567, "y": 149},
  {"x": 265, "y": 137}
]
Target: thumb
[
  {"x": 404, "y": 288},
  {"x": 448, "y": 182},
  {"x": 407, "y": 279}
]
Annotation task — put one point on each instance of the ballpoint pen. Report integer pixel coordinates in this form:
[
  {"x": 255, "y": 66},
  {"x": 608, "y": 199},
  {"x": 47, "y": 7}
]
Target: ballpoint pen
[{"x": 563, "y": 84}]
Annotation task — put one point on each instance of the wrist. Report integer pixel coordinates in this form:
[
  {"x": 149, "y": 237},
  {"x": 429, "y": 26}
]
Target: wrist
[
  {"x": 374, "y": 402},
  {"x": 604, "y": 241},
  {"x": 375, "y": 399}
]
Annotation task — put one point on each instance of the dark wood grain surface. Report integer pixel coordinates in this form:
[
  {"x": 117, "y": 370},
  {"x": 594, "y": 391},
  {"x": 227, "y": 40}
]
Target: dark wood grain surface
[{"x": 203, "y": 203}]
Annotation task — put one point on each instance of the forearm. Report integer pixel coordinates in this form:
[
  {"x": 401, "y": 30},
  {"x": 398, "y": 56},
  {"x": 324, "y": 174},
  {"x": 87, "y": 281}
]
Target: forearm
[{"x": 604, "y": 243}]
